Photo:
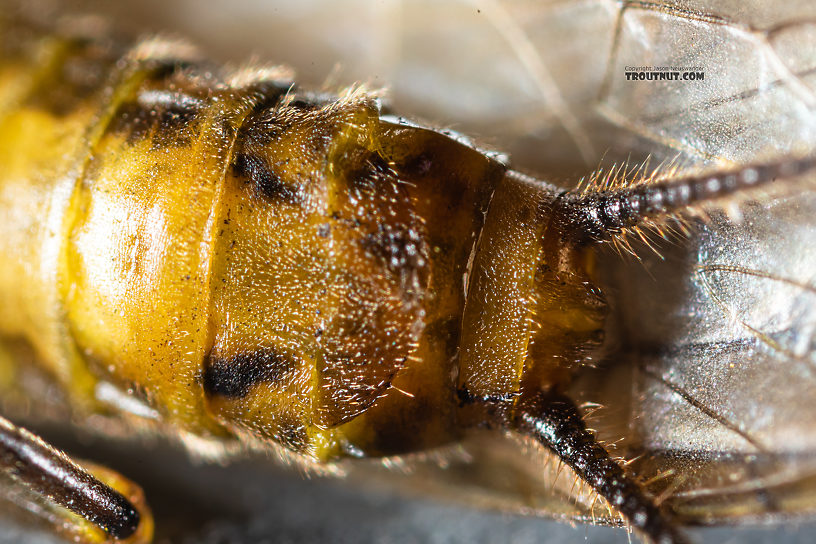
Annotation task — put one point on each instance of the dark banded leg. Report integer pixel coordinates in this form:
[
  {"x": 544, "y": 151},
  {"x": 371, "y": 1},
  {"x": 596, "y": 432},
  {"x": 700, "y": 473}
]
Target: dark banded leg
[
  {"x": 601, "y": 215},
  {"x": 554, "y": 421},
  {"x": 66, "y": 494}
]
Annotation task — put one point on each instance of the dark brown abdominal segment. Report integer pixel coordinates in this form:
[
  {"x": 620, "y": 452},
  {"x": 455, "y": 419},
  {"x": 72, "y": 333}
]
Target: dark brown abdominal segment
[
  {"x": 600, "y": 215},
  {"x": 47, "y": 472},
  {"x": 555, "y": 422}
]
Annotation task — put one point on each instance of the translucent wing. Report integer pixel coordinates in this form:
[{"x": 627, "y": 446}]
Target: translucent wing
[{"x": 722, "y": 375}]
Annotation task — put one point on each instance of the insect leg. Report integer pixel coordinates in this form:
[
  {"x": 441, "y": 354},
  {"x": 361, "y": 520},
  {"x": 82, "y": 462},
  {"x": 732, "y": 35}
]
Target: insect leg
[
  {"x": 51, "y": 477},
  {"x": 554, "y": 421},
  {"x": 602, "y": 214}
]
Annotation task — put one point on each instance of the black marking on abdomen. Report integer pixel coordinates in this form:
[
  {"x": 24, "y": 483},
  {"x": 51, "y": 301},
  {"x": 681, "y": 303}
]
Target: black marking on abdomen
[
  {"x": 391, "y": 232},
  {"x": 399, "y": 246},
  {"x": 365, "y": 171},
  {"x": 233, "y": 377},
  {"x": 165, "y": 118},
  {"x": 256, "y": 172}
]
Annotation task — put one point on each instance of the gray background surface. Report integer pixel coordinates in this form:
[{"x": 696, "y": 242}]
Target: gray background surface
[{"x": 255, "y": 502}]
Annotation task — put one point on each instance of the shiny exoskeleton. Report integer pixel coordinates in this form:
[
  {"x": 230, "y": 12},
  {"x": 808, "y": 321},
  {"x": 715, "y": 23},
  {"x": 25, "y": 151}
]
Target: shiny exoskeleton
[{"x": 250, "y": 261}]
